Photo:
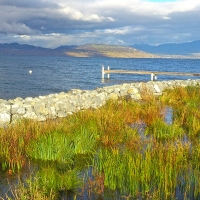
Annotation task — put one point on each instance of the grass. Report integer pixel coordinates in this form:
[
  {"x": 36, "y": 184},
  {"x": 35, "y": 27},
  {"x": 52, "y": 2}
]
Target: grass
[
  {"x": 28, "y": 189},
  {"x": 123, "y": 150}
]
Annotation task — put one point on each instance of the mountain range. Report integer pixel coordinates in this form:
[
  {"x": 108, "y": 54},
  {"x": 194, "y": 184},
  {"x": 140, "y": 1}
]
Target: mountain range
[
  {"x": 187, "y": 48},
  {"x": 88, "y": 50},
  {"x": 171, "y": 50}
]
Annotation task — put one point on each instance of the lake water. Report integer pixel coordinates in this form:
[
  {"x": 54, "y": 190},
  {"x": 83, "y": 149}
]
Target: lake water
[{"x": 57, "y": 74}]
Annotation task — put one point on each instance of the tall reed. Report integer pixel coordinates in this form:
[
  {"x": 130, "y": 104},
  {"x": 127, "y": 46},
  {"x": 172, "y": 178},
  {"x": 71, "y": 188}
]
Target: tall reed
[{"x": 130, "y": 149}]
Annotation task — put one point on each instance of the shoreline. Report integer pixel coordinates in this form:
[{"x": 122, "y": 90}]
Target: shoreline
[{"x": 62, "y": 104}]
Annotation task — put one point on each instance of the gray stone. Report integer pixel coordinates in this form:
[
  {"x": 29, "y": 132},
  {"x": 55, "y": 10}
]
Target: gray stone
[
  {"x": 41, "y": 118},
  {"x": 21, "y": 111},
  {"x": 30, "y": 115},
  {"x": 149, "y": 88},
  {"x": 136, "y": 96},
  {"x": 123, "y": 92},
  {"x": 157, "y": 89},
  {"x": 62, "y": 104},
  {"x": 98, "y": 101},
  {"x": 58, "y": 106},
  {"x": 16, "y": 117},
  {"x": 62, "y": 114},
  {"x": 5, "y": 108},
  {"x": 133, "y": 90},
  {"x": 5, "y": 118},
  {"x": 51, "y": 113},
  {"x": 29, "y": 99},
  {"x": 28, "y": 107},
  {"x": 2, "y": 101},
  {"x": 40, "y": 108},
  {"x": 113, "y": 96}
]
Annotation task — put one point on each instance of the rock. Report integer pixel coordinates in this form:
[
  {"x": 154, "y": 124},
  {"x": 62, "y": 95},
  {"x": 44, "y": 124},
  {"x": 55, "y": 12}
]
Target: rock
[
  {"x": 123, "y": 92},
  {"x": 30, "y": 115},
  {"x": 21, "y": 111},
  {"x": 16, "y": 117},
  {"x": 40, "y": 109},
  {"x": 62, "y": 114},
  {"x": 113, "y": 96},
  {"x": 29, "y": 99},
  {"x": 149, "y": 88},
  {"x": 5, "y": 119},
  {"x": 41, "y": 118},
  {"x": 51, "y": 113},
  {"x": 133, "y": 90},
  {"x": 157, "y": 89},
  {"x": 98, "y": 101},
  {"x": 63, "y": 104},
  {"x": 28, "y": 107}
]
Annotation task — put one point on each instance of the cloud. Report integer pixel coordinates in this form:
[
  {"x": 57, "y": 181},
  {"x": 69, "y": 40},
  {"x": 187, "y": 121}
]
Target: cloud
[
  {"x": 52, "y": 23},
  {"x": 17, "y": 28}
]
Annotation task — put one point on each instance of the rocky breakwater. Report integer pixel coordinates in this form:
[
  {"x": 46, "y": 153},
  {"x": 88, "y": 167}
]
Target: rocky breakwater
[{"x": 60, "y": 105}]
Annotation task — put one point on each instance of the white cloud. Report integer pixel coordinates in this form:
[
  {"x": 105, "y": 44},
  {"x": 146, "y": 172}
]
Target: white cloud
[
  {"x": 123, "y": 31},
  {"x": 72, "y": 13},
  {"x": 56, "y": 22},
  {"x": 166, "y": 18}
]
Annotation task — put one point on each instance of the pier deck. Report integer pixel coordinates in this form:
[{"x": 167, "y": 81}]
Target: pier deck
[{"x": 152, "y": 73}]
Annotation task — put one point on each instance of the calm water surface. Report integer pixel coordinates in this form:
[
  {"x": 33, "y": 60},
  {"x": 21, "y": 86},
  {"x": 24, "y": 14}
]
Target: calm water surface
[{"x": 57, "y": 74}]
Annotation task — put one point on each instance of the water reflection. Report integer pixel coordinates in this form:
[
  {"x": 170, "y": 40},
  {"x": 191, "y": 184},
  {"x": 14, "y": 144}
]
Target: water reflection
[{"x": 168, "y": 115}]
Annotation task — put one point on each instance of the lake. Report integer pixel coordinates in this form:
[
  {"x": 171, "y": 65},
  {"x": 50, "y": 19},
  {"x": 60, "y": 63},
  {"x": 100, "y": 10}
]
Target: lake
[{"x": 61, "y": 74}]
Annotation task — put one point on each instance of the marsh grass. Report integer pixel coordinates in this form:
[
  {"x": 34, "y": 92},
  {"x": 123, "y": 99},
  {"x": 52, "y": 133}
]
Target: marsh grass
[
  {"x": 163, "y": 131},
  {"x": 53, "y": 146},
  {"x": 131, "y": 150},
  {"x": 185, "y": 103},
  {"x": 28, "y": 189},
  {"x": 51, "y": 179}
]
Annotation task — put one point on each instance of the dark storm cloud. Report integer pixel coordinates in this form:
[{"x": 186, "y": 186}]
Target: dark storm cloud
[{"x": 28, "y": 4}]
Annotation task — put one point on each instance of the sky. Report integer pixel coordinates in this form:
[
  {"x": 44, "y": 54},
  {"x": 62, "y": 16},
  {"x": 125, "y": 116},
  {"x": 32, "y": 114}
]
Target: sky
[{"x": 52, "y": 23}]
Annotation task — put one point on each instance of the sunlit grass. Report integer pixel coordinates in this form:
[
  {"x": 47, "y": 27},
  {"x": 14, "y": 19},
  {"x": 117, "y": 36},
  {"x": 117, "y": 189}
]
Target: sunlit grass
[
  {"x": 29, "y": 189},
  {"x": 125, "y": 148}
]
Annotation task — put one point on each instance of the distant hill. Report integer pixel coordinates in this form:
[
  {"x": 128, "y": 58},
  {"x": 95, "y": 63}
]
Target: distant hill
[
  {"x": 104, "y": 50},
  {"x": 17, "y": 46},
  {"x": 187, "y": 48},
  {"x": 65, "y": 48},
  {"x": 183, "y": 50},
  {"x": 89, "y": 50},
  {"x": 25, "y": 49}
]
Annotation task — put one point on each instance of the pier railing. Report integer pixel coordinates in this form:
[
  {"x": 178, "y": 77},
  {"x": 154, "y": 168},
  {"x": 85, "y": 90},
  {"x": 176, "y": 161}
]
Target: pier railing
[{"x": 153, "y": 74}]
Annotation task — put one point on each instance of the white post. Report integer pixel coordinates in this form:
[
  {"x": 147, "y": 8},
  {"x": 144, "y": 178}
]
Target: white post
[
  {"x": 153, "y": 77},
  {"x": 102, "y": 70},
  {"x": 108, "y": 73}
]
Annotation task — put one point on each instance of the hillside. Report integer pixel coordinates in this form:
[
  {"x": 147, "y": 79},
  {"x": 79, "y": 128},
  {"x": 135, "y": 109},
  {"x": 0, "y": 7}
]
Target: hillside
[
  {"x": 104, "y": 50},
  {"x": 89, "y": 50},
  {"x": 112, "y": 51},
  {"x": 26, "y": 50}
]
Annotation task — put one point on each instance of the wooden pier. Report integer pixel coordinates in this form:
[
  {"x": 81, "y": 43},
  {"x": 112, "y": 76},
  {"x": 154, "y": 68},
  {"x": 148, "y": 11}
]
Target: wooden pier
[{"x": 152, "y": 73}]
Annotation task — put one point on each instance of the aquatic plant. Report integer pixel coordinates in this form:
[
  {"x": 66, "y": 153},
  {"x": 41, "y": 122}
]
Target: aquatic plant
[
  {"x": 53, "y": 146},
  {"x": 28, "y": 189},
  {"x": 124, "y": 149},
  {"x": 163, "y": 131},
  {"x": 185, "y": 103},
  {"x": 16, "y": 137},
  {"x": 159, "y": 168},
  {"x": 51, "y": 179}
]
